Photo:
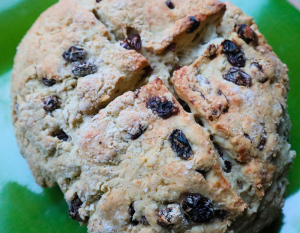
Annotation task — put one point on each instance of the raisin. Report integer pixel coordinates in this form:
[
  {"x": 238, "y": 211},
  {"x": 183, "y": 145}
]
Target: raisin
[
  {"x": 238, "y": 77},
  {"x": 74, "y": 206},
  {"x": 172, "y": 47},
  {"x": 263, "y": 140},
  {"x": 198, "y": 208},
  {"x": 184, "y": 105},
  {"x": 125, "y": 44},
  {"x": 202, "y": 172},
  {"x": 61, "y": 135},
  {"x": 164, "y": 218},
  {"x": 171, "y": 217},
  {"x": 136, "y": 93},
  {"x": 138, "y": 132},
  {"x": 84, "y": 69},
  {"x": 225, "y": 110},
  {"x": 228, "y": 166},
  {"x": 132, "y": 42},
  {"x": 143, "y": 220},
  {"x": 170, "y": 4},
  {"x": 257, "y": 65},
  {"x": 131, "y": 212},
  {"x": 74, "y": 54},
  {"x": 248, "y": 137},
  {"x": 246, "y": 33},
  {"x": 51, "y": 103},
  {"x": 135, "y": 41},
  {"x": 180, "y": 144},
  {"x": 162, "y": 107},
  {"x": 49, "y": 82},
  {"x": 234, "y": 55},
  {"x": 194, "y": 25},
  {"x": 221, "y": 213},
  {"x": 229, "y": 47},
  {"x": 211, "y": 51},
  {"x": 262, "y": 79}
]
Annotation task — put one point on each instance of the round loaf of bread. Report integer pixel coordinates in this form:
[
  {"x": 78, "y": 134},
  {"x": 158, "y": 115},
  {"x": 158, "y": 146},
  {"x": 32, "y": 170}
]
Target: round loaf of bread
[{"x": 154, "y": 116}]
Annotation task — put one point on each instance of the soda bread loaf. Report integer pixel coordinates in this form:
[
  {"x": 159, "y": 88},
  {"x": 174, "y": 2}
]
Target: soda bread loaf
[{"x": 154, "y": 116}]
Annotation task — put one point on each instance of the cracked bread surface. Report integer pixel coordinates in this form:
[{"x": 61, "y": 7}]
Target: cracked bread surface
[{"x": 96, "y": 110}]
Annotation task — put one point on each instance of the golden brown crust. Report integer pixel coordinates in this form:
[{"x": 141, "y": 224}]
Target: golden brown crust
[{"x": 152, "y": 163}]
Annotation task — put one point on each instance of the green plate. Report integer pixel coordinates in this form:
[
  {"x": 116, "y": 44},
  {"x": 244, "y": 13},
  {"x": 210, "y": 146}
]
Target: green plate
[{"x": 26, "y": 207}]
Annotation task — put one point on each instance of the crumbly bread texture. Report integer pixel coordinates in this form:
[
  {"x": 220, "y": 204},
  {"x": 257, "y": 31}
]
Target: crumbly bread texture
[{"x": 154, "y": 116}]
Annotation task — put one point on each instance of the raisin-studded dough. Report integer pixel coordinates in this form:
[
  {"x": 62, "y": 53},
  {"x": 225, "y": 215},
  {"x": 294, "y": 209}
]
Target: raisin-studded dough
[
  {"x": 158, "y": 25},
  {"x": 154, "y": 116}
]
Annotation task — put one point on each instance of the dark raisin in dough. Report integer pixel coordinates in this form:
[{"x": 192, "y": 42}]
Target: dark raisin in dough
[
  {"x": 238, "y": 77},
  {"x": 263, "y": 78},
  {"x": 171, "y": 218},
  {"x": 198, "y": 208},
  {"x": 228, "y": 166},
  {"x": 164, "y": 218},
  {"x": 246, "y": 33},
  {"x": 51, "y": 103},
  {"x": 257, "y": 65},
  {"x": 135, "y": 41},
  {"x": 136, "y": 93},
  {"x": 74, "y": 54},
  {"x": 170, "y": 4},
  {"x": 49, "y": 82},
  {"x": 74, "y": 207},
  {"x": 211, "y": 51},
  {"x": 180, "y": 144},
  {"x": 84, "y": 69},
  {"x": 263, "y": 140},
  {"x": 194, "y": 25},
  {"x": 138, "y": 133},
  {"x": 162, "y": 107},
  {"x": 131, "y": 212},
  {"x": 233, "y": 53},
  {"x": 61, "y": 135},
  {"x": 132, "y": 42}
]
